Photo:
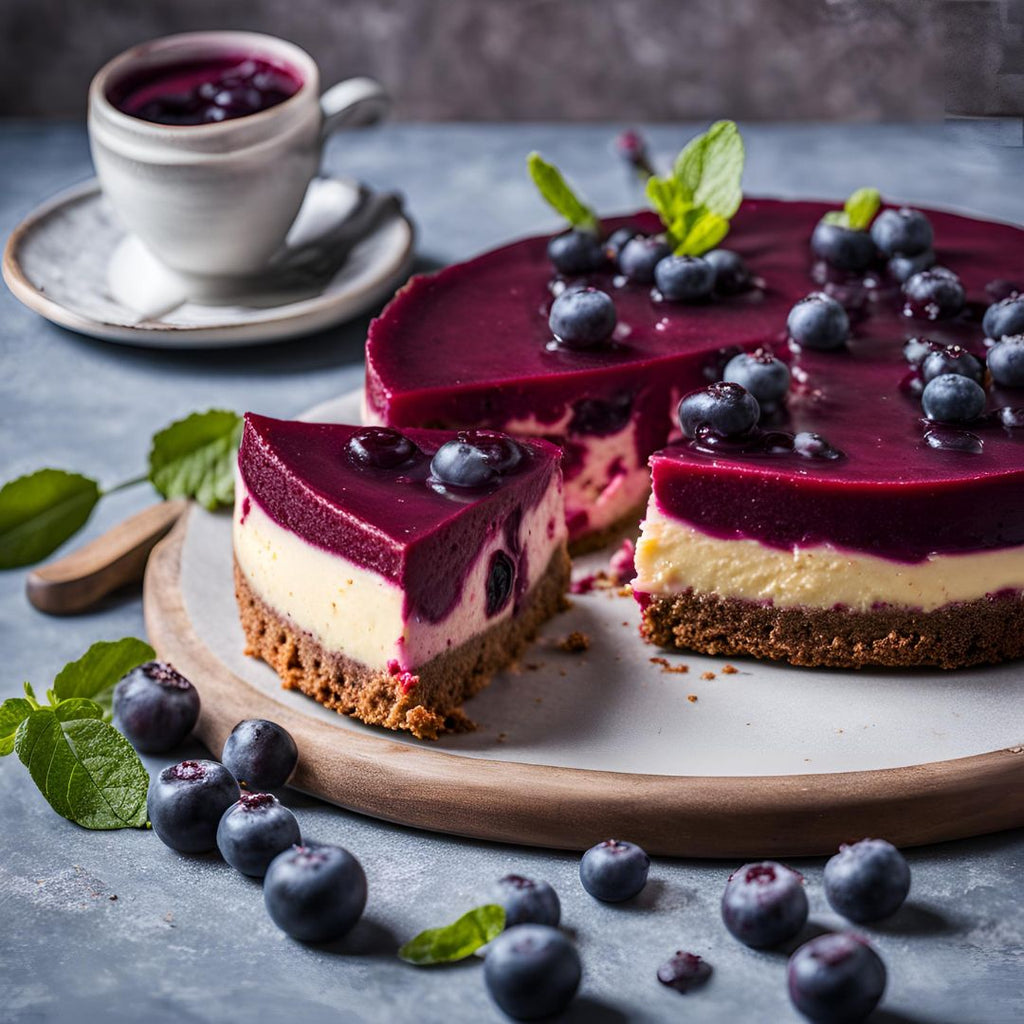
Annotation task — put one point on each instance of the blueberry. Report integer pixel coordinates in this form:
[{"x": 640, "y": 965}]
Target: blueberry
[
  {"x": 500, "y": 577},
  {"x": 836, "y": 979},
  {"x": 764, "y": 904},
  {"x": 614, "y": 871},
  {"x": 616, "y": 242},
  {"x": 903, "y": 267},
  {"x": 819, "y": 322},
  {"x": 843, "y": 248},
  {"x": 475, "y": 458},
  {"x": 576, "y": 252},
  {"x": 503, "y": 453},
  {"x": 1004, "y": 318},
  {"x": 951, "y": 398},
  {"x": 186, "y": 803},
  {"x": 639, "y": 257},
  {"x": 155, "y": 707},
  {"x": 867, "y": 881},
  {"x": 933, "y": 294},
  {"x": 764, "y": 376},
  {"x": 951, "y": 359},
  {"x": 814, "y": 446},
  {"x": 902, "y": 232},
  {"x": 732, "y": 275},
  {"x": 532, "y": 971},
  {"x": 315, "y": 893},
  {"x": 1006, "y": 362},
  {"x": 260, "y": 754},
  {"x": 684, "y": 278},
  {"x": 254, "y": 831},
  {"x": 528, "y": 902},
  {"x": 684, "y": 971},
  {"x": 726, "y": 409},
  {"x": 582, "y": 318},
  {"x": 381, "y": 447},
  {"x": 916, "y": 349}
]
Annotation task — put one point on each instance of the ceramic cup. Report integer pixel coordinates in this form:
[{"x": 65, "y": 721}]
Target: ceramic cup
[{"x": 214, "y": 202}]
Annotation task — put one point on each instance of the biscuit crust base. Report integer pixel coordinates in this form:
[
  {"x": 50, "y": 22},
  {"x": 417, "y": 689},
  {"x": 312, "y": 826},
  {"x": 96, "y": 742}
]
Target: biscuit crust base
[
  {"x": 432, "y": 704},
  {"x": 980, "y": 632}
]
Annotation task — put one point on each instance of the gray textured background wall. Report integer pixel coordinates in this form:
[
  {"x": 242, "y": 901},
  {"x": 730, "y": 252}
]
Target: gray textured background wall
[{"x": 573, "y": 59}]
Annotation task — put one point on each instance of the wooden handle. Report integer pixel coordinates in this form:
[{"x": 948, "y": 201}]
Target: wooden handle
[{"x": 78, "y": 581}]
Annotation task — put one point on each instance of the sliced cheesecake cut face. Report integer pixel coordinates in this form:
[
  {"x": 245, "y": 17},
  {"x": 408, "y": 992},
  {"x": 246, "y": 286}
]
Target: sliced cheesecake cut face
[{"x": 370, "y": 583}]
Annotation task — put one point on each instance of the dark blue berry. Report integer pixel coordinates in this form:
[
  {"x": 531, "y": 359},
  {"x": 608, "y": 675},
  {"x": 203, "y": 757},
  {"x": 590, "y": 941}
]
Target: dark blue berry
[
  {"x": 761, "y": 373},
  {"x": 903, "y": 267},
  {"x": 155, "y": 707},
  {"x": 616, "y": 242},
  {"x": 502, "y": 451},
  {"x": 867, "y": 881},
  {"x": 500, "y": 578},
  {"x": 836, "y": 979},
  {"x": 819, "y": 322},
  {"x": 951, "y": 359},
  {"x": 764, "y": 904},
  {"x": 1006, "y": 362},
  {"x": 933, "y": 294},
  {"x": 532, "y": 971},
  {"x": 528, "y": 902},
  {"x": 732, "y": 275},
  {"x": 576, "y": 252},
  {"x": 475, "y": 458},
  {"x": 813, "y": 446},
  {"x": 902, "y": 232},
  {"x": 843, "y": 248},
  {"x": 725, "y": 409},
  {"x": 684, "y": 278},
  {"x": 639, "y": 257},
  {"x": 1004, "y": 318},
  {"x": 186, "y": 802},
  {"x": 600, "y": 416},
  {"x": 684, "y": 971},
  {"x": 254, "y": 831},
  {"x": 260, "y": 754},
  {"x": 315, "y": 893},
  {"x": 951, "y": 398},
  {"x": 614, "y": 871},
  {"x": 582, "y": 318},
  {"x": 381, "y": 447}
]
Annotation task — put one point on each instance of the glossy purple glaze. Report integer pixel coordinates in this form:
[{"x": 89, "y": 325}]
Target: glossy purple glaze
[
  {"x": 468, "y": 346},
  {"x": 391, "y": 521}
]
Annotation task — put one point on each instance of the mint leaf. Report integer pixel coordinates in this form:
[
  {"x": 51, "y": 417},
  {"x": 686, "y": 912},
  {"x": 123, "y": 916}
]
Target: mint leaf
[
  {"x": 704, "y": 232},
  {"x": 195, "y": 457},
  {"x": 710, "y": 168},
  {"x": 103, "y": 665},
  {"x": 13, "y": 712},
  {"x": 555, "y": 191},
  {"x": 455, "y": 941},
  {"x": 861, "y": 207},
  {"x": 85, "y": 768},
  {"x": 40, "y": 511}
]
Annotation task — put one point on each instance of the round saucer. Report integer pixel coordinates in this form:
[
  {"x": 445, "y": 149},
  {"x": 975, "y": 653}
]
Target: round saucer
[{"x": 57, "y": 260}]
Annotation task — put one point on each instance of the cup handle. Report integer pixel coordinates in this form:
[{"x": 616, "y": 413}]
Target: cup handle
[{"x": 354, "y": 103}]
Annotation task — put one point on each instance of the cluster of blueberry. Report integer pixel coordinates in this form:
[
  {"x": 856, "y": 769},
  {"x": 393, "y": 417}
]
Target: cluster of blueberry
[{"x": 901, "y": 238}]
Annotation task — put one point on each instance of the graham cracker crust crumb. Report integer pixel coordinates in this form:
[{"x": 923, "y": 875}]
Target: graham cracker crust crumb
[
  {"x": 692, "y": 698},
  {"x": 707, "y": 675},
  {"x": 575, "y": 643},
  {"x": 729, "y": 670},
  {"x": 667, "y": 666}
]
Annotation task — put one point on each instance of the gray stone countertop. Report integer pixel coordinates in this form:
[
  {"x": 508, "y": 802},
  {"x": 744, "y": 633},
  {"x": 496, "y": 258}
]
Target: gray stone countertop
[{"x": 187, "y": 939}]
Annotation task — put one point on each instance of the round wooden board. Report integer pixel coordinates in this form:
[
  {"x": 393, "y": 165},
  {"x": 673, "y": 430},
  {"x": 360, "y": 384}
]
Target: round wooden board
[{"x": 571, "y": 808}]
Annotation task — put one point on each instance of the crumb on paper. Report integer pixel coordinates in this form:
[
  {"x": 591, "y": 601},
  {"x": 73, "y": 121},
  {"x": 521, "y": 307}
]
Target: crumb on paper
[
  {"x": 667, "y": 666},
  {"x": 692, "y": 698},
  {"x": 707, "y": 675},
  {"x": 575, "y": 643},
  {"x": 729, "y": 670}
]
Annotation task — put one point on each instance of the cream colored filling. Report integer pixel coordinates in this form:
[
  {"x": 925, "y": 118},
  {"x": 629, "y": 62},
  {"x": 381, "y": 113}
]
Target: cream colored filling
[{"x": 672, "y": 556}]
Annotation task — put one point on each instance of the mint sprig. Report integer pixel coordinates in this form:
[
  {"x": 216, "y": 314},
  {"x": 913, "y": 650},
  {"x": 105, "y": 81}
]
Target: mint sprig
[
  {"x": 858, "y": 211},
  {"x": 195, "y": 457},
  {"x": 87, "y": 771},
  {"x": 456, "y": 941},
  {"x": 557, "y": 193}
]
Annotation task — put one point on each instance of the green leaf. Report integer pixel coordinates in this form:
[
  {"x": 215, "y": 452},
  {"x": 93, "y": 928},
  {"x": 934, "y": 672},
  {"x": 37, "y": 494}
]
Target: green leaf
[
  {"x": 705, "y": 232},
  {"x": 40, "y": 511},
  {"x": 555, "y": 190},
  {"x": 101, "y": 667},
  {"x": 195, "y": 457},
  {"x": 85, "y": 768},
  {"x": 13, "y": 712},
  {"x": 710, "y": 167},
  {"x": 861, "y": 207},
  {"x": 455, "y": 941}
]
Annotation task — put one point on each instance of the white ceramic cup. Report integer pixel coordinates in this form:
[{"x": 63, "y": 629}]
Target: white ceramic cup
[{"x": 214, "y": 202}]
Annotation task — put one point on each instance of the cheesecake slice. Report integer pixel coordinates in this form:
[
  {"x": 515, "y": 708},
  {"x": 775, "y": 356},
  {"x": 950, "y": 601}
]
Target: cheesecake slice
[{"x": 389, "y": 575}]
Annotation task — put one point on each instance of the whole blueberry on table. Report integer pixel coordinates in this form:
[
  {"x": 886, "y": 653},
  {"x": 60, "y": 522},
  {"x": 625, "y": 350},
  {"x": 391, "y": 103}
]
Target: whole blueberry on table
[
  {"x": 640, "y": 255},
  {"x": 381, "y": 447},
  {"x": 155, "y": 707},
  {"x": 684, "y": 278},
  {"x": 576, "y": 252},
  {"x": 254, "y": 831},
  {"x": 186, "y": 802},
  {"x": 761, "y": 373},
  {"x": 933, "y": 294},
  {"x": 902, "y": 232},
  {"x": 843, "y": 248},
  {"x": 1006, "y": 362},
  {"x": 903, "y": 267},
  {"x": 836, "y": 979},
  {"x": 616, "y": 242},
  {"x": 951, "y": 359},
  {"x": 528, "y": 902},
  {"x": 260, "y": 754},
  {"x": 764, "y": 904},
  {"x": 582, "y": 318},
  {"x": 1004, "y": 318},
  {"x": 726, "y": 409},
  {"x": 951, "y": 398},
  {"x": 732, "y": 275},
  {"x": 315, "y": 893},
  {"x": 532, "y": 971},
  {"x": 614, "y": 871},
  {"x": 819, "y": 322},
  {"x": 867, "y": 881}
]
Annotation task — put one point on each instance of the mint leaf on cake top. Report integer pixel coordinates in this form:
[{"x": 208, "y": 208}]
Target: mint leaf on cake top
[
  {"x": 456, "y": 941},
  {"x": 858, "y": 211},
  {"x": 558, "y": 194}
]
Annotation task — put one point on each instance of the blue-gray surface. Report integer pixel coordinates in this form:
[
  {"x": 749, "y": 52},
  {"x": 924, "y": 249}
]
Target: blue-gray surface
[{"x": 186, "y": 939}]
